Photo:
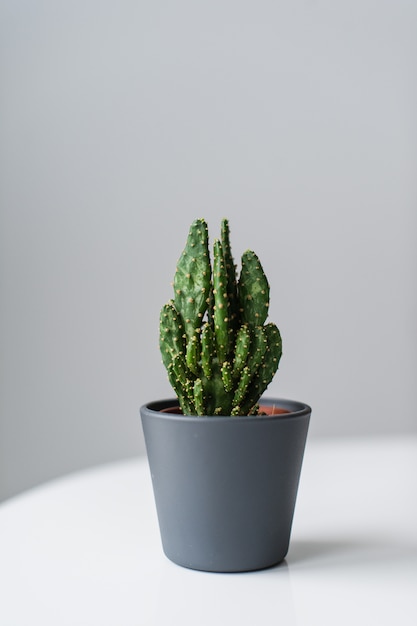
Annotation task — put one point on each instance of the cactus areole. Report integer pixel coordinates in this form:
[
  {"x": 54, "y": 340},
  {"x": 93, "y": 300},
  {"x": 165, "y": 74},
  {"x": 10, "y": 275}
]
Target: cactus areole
[{"x": 219, "y": 352}]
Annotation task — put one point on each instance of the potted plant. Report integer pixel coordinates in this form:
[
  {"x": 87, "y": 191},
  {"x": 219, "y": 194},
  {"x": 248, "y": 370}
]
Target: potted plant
[{"x": 225, "y": 464}]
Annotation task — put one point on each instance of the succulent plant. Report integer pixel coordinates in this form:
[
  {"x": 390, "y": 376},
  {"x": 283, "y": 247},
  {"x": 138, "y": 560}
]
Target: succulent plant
[{"x": 219, "y": 353}]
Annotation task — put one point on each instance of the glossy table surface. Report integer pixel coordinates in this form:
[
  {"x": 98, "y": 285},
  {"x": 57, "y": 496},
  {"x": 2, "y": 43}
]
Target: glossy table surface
[{"x": 85, "y": 550}]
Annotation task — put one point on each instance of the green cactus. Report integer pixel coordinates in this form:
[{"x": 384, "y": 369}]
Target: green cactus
[{"x": 219, "y": 353}]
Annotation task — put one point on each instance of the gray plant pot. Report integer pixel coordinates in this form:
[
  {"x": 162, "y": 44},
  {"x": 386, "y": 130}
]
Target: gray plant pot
[{"x": 225, "y": 487}]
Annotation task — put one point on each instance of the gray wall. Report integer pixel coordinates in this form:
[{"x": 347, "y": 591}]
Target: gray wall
[{"x": 120, "y": 123}]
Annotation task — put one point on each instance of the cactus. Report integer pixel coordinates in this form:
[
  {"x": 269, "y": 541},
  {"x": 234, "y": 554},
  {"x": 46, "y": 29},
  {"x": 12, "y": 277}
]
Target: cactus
[{"x": 219, "y": 353}]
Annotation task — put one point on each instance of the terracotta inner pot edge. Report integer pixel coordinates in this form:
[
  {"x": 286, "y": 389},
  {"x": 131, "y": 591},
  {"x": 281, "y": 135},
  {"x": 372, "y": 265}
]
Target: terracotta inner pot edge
[{"x": 263, "y": 409}]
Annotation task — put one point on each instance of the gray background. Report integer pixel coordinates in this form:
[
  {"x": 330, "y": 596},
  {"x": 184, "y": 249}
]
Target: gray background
[{"x": 121, "y": 122}]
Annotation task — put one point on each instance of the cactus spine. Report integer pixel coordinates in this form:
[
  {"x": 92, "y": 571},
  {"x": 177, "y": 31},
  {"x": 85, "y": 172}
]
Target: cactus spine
[{"x": 219, "y": 353}]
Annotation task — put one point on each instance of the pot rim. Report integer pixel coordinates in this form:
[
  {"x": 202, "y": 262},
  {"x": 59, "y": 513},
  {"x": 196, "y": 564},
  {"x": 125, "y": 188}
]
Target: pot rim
[{"x": 294, "y": 407}]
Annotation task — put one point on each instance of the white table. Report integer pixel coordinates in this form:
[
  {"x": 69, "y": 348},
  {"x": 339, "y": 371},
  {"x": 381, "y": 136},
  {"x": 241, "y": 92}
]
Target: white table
[{"x": 85, "y": 550}]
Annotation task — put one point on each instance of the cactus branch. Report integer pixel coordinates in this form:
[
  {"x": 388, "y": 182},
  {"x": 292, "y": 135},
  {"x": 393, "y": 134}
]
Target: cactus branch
[
  {"x": 221, "y": 303},
  {"x": 231, "y": 275},
  {"x": 192, "y": 278},
  {"x": 253, "y": 290}
]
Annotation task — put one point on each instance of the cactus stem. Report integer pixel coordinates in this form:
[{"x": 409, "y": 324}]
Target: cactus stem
[{"x": 218, "y": 353}]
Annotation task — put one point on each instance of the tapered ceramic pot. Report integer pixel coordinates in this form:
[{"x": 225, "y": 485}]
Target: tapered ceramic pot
[{"x": 225, "y": 487}]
